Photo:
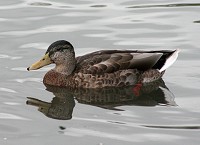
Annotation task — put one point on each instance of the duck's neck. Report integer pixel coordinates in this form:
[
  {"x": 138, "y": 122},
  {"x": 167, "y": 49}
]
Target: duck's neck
[
  {"x": 67, "y": 66},
  {"x": 65, "y": 69}
]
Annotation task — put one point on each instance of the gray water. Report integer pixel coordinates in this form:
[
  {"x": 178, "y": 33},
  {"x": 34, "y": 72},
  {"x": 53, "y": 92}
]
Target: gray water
[{"x": 28, "y": 27}]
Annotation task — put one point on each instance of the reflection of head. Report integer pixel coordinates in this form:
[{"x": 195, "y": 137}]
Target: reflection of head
[{"x": 60, "y": 108}]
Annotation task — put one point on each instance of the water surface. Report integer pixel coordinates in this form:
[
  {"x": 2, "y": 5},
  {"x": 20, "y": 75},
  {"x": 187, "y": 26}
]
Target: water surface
[{"x": 28, "y": 27}]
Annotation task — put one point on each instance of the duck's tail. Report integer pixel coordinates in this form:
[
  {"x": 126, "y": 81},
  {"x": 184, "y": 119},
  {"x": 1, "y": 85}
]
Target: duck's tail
[{"x": 170, "y": 60}]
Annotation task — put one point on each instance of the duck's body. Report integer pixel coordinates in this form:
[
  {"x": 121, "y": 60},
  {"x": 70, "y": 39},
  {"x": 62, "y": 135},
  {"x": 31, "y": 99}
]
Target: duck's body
[{"x": 105, "y": 68}]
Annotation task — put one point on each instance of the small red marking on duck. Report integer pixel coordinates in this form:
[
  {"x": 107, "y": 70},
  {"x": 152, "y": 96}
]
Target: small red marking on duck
[{"x": 136, "y": 89}]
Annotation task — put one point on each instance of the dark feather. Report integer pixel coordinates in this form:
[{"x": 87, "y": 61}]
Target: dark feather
[{"x": 109, "y": 61}]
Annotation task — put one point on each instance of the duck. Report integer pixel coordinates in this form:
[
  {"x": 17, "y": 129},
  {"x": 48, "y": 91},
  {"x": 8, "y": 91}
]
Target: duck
[{"x": 104, "y": 68}]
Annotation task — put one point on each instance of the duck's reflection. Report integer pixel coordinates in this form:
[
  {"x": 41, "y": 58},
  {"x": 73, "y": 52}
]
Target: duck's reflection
[{"x": 61, "y": 106}]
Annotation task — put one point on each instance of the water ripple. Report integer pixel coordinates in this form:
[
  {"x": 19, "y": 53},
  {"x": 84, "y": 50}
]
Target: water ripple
[
  {"x": 40, "y": 4},
  {"x": 11, "y": 116},
  {"x": 7, "y": 90},
  {"x": 174, "y": 127},
  {"x": 167, "y": 5},
  {"x": 35, "y": 45},
  {"x": 28, "y": 80},
  {"x": 10, "y": 57},
  {"x": 11, "y": 103},
  {"x": 52, "y": 28},
  {"x": 128, "y": 137}
]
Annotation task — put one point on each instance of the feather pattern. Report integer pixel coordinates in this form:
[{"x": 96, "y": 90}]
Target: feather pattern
[{"x": 109, "y": 62}]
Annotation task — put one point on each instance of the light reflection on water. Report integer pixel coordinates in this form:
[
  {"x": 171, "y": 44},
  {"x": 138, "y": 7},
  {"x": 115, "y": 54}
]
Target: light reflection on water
[{"x": 28, "y": 27}]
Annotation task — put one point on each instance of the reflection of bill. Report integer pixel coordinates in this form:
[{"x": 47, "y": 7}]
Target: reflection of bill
[{"x": 61, "y": 107}]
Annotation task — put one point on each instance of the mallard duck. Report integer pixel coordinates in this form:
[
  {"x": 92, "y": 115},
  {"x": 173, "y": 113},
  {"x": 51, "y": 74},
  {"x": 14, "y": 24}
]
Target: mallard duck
[{"x": 105, "y": 68}]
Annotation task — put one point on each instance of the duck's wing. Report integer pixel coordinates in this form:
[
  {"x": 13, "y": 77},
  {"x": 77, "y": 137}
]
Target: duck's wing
[{"x": 109, "y": 61}]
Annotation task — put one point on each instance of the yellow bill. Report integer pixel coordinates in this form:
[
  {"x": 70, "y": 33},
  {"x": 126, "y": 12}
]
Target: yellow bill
[{"x": 43, "y": 62}]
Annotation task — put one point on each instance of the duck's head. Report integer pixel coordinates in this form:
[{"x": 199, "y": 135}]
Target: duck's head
[{"x": 59, "y": 52}]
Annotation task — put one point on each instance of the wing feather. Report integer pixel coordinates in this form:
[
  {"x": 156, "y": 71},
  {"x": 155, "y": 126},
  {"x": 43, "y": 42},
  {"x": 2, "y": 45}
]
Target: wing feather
[{"x": 110, "y": 61}]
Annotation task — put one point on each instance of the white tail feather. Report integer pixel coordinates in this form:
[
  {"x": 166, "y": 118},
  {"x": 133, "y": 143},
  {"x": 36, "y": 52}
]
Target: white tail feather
[{"x": 170, "y": 60}]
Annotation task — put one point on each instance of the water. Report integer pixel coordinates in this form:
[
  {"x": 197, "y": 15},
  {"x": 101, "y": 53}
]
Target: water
[{"x": 28, "y": 27}]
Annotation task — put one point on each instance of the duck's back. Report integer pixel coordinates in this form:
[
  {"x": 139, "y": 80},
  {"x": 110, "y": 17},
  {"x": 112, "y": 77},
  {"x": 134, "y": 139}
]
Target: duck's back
[{"x": 110, "y": 61}]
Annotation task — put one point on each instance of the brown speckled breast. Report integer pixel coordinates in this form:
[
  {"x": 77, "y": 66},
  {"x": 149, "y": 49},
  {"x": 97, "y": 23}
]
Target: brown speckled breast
[{"x": 57, "y": 79}]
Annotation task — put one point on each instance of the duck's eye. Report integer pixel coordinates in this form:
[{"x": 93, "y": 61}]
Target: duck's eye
[{"x": 58, "y": 49}]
